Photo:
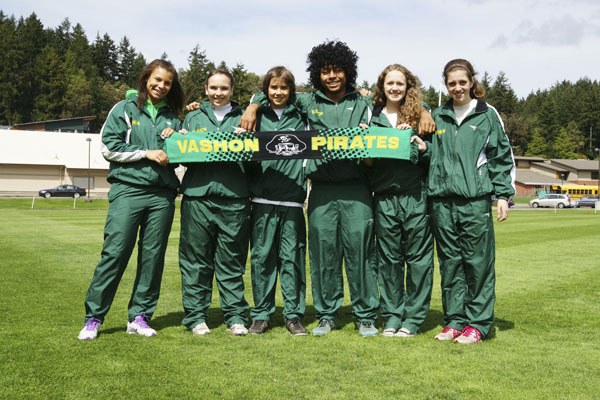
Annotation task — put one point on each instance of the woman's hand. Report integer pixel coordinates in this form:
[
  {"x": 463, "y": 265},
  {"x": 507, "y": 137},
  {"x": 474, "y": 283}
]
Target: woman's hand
[
  {"x": 364, "y": 126},
  {"x": 421, "y": 144},
  {"x": 502, "y": 210},
  {"x": 248, "y": 120},
  {"x": 158, "y": 156},
  {"x": 404, "y": 126},
  {"x": 167, "y": 132},
  {"x": 192, "y": 106},
  {"x": 426, "y": 123},
  {"x": 239, "y": 129}
]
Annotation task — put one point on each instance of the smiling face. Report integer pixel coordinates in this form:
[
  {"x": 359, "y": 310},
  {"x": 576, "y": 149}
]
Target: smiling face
[
  {"x": 279, "y": 93},
  {"x": 219, "y": 90},
  {"x": 394, "y": 86},
  {"x": 333, "y": 80},
  {"x": 459, "y": 86},
  {"x": 159, "y": 84}
]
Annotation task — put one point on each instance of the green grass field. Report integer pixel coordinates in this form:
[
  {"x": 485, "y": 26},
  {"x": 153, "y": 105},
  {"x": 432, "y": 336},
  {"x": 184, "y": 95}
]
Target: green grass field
[{"x": 545, "y": 345}]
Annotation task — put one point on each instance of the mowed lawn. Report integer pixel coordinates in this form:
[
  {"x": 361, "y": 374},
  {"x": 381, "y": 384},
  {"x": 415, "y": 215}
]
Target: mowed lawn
[{"x": 546, "y": 343}]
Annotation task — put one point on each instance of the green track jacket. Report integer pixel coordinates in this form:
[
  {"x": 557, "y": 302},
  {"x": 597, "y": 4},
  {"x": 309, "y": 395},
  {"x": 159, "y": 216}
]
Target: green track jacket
[
  {"x": 471, "y": 159},
  {"x": 390, "y": 176},
  {"x": 126, "y": 136},
  {"x": 278, "y": 180},
  {"x": 219, "y": 179}
]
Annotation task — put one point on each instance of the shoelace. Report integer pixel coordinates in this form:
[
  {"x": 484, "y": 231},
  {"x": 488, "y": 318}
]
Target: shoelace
[
  {"x": 323, "y": 323},
  {"x": 141, "y": 321},
  {"x": 92, "y": 324},
  {"x": 366, "y": 324},
  {"x": 470, "y": 332}
]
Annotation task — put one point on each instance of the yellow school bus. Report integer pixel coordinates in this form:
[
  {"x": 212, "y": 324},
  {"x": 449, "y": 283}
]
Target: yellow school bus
[{"x": 575, "y": 191}]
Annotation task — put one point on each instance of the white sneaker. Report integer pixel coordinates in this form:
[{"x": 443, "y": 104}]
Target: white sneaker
[
  {"x": 90, "y": 329},
  {"x": 238, "y": 330},
  {"x": 403, "y": 332},
  {"x": 201, "y": 329},
  {"x": 389, "y": 332},
  {"x": 140, "y": 327}
]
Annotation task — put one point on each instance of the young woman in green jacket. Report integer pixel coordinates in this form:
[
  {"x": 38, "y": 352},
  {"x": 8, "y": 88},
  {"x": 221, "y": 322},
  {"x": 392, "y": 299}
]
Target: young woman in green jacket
[
  {"x": 402, "y": 225},
  {"x": 278, "y": 189},
  {"x": 215, "y": 219},
  {"x": 471, "y": 161},
  {"x": 141, "y": 198}
]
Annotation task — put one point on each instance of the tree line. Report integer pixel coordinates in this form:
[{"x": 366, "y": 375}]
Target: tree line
[{"x": 57, "y": 73}]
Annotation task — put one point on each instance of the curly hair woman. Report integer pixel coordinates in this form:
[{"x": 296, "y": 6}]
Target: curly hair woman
[{"x": 404, "y": 239}]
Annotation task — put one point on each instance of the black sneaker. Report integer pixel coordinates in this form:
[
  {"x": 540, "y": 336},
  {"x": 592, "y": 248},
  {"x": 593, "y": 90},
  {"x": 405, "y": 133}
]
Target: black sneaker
[
  {"x": 258, "y": 327},
  {"x": 294, "y": 326}
]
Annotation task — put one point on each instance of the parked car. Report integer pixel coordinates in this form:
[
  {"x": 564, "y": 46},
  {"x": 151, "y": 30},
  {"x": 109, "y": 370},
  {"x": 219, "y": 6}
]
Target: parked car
[
  {"x": 587, "y": 202},
  {"x": 63, "y": 191},
  {"x": 552, "y": 200}
]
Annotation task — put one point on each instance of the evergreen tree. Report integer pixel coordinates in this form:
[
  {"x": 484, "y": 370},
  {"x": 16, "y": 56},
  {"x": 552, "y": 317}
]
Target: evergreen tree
[
  {"x": 568, "y": 143},
  {"x": 502, "y": 96},
  {"x": 105, "y": 58},
  {"x": 126, "y": 56},
  {"x": 32, "y": 38},
  {"x": 79, "y": 96},
  {"x": 50, "y": 73},
  {"x": 9, "y": 70},
  {"x": 538, "y": 146},
  {"x": 194, "y": 78},
  {"x": 246, "y": 84}
]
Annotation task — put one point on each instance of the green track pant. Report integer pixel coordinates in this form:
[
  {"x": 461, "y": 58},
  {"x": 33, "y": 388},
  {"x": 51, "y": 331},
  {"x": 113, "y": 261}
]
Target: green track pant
[
  {"x": 402, "y": 228},
  {"x": 278, "y": 248},
  {"x": 213, "y": 245},
  {"x": 464, "y": 234},
  {"x": 132, "y": 210},
  {"x": 340, "y": 229}
]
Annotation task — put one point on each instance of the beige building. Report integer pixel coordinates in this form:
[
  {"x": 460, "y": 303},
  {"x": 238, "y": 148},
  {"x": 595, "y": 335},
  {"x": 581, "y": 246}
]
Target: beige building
[{"x": 31, "y": 161}]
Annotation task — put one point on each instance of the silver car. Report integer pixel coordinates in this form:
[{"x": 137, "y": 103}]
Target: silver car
[{"x": 552, "y": 200}]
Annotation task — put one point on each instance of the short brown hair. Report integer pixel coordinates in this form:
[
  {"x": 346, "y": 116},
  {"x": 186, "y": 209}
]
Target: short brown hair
[{"x": 279, "y": 72}]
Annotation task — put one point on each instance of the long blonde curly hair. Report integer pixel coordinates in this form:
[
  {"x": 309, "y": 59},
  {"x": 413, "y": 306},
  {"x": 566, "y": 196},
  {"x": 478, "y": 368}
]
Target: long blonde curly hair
[{"x": 410, "y": 105}]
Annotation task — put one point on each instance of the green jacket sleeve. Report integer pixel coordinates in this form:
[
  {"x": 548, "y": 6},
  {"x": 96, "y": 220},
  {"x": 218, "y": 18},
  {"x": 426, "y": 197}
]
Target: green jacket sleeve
[
  {"x": 115, "y": 137},
  {"x": 500, "y": 159}
]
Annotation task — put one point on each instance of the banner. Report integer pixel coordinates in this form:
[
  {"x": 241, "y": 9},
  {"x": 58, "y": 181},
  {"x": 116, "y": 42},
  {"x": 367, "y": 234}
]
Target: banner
[{"x": 328, "y": 144}]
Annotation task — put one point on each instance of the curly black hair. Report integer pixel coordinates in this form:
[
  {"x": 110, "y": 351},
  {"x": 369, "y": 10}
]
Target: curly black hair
[{"x": 334, "y": 53}]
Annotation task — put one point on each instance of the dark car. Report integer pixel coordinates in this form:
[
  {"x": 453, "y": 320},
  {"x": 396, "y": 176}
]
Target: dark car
[
  {"x": 63, "y": 191},
  {"x": 587, "y": 202}
]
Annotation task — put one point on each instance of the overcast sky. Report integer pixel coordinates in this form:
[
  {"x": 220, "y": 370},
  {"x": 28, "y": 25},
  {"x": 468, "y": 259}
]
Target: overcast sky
[{"x": 535, "y": 43}]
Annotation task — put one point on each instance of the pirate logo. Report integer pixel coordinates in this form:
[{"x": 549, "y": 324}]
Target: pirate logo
[{"x": 286, "y": 145}]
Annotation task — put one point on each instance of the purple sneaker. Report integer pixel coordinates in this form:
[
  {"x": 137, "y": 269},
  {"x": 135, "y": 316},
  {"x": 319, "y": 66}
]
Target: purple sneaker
[
  {"x": 90, "y": 329},
  {"x": 140, "y": 326}
]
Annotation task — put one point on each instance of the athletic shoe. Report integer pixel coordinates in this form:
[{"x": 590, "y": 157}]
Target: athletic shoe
[
  {"x": 258, "y": 327},
  {"x": 389, "y": 332},
  {"x": 469, "y": 335},
  {"x": 140, "y": 326},
  {"x": 295, "y": 327},
  {"x": 238, "y": 330},
  {"x": 201, "y": 329},
  {"x": 404, "y": 332},
  {"x": 447, "y": 334},
  {"x": 90, "y": 329},
  {"x": 325, "y": 326},
  {"x": 366, "y": 328}
]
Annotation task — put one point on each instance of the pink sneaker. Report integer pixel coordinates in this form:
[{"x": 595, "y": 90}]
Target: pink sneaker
[
  {"x": 469, "y": 335},
  {"x": 447, "y": 334}
]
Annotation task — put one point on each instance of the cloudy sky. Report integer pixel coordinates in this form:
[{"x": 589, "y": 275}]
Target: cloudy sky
[{"x": 535, "y": 43}]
